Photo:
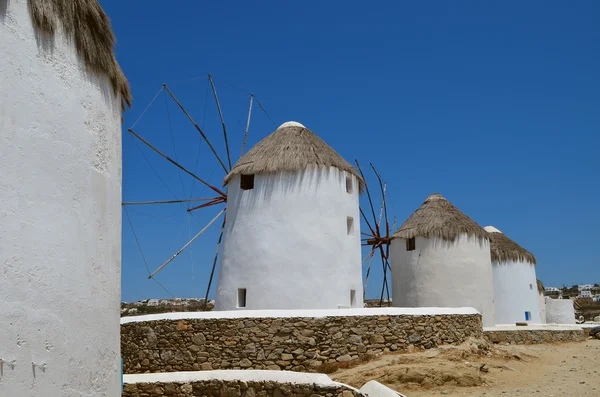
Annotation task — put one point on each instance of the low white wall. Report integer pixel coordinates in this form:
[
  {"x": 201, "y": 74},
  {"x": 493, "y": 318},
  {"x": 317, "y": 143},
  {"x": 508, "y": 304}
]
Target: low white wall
[
  {"x": 560, "y": 311},
  {"x": 286, "y": 242},
  {"x": 515, "y": 292},
  {"x": 542, "y": 306},
  {"x": 383, "y": 311},
  {"x": 246, "y": 375},
  {"x": 444, "y": 274}
]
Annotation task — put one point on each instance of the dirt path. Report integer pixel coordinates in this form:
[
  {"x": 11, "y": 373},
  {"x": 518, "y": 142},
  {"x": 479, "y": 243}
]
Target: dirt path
[{"x": 478, "y": 369}]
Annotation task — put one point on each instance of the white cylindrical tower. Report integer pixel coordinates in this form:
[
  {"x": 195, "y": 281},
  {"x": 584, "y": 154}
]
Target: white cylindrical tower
[
  {"x": 515, "y": 282},
  {"x": 61, "y": 94},
  {"x": 560, "y": 311},
  {"x": 292, "y": 236},
  {"x": 441, "y": 258},
  {"x": 541, "y": 301}
]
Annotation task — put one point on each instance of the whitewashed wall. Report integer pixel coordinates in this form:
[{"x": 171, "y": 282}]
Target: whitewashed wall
[
  {"x": 60, "y": 216},
  {"x": 443, "y": 274},
  {"x": 560, "y": 311},
  {"x": 515, "y": 292},
  {"x": 542, "y": 306},
  {"x": 286, "y": 242}
]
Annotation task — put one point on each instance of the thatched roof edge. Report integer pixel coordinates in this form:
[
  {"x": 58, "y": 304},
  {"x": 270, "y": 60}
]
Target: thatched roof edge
[
  {"x": 290, "y": 149},
  {"x": 438, "y": 218},
  {"x": 540, "y": 287},
  {"x": 86, "y": 24},
  {"x": 503, "y": 249}
]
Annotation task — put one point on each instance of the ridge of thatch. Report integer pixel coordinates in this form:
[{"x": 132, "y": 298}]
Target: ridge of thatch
[
  {"x": 290, "y": 148},
  {"x": 504, "y": 249},
  {"x": 85, "y": 23},
  {"x": 540, "y": 287},
  {"x": 437, "y": 217}
]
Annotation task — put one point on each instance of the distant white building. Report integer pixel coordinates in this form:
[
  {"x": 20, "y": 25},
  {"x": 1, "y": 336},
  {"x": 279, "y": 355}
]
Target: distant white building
[
  {"x": 585, "y": 294},
  {"x": 596, "y": 298},
  {"x": 585, "y": 287},
  {"x": 552, "y": 289},
  {"x": 152, "y": 302}
]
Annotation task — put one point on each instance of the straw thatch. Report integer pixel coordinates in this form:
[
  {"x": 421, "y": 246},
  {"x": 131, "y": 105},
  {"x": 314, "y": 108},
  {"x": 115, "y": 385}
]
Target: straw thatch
[
  {"x": 85, "y": 23},
  {"x": 504, "y": 249},
  {"x": 437, "y": 217},
  {"x": 540, "y": 287},
  {"x": 290, "y": 149}
]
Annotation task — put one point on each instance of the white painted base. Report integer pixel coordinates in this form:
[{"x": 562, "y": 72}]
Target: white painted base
[
  {"x": 287, "y": 242},
  {"x": 443, "y": 274},
  {"x": 515, "y": 292}
]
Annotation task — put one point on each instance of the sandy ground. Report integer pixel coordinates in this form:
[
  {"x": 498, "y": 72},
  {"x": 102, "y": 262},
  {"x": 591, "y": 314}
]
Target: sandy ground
[{"x": 479, "y": 369}]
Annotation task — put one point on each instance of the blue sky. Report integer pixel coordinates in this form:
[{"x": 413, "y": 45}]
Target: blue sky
[{"x": 494, "y": 105}]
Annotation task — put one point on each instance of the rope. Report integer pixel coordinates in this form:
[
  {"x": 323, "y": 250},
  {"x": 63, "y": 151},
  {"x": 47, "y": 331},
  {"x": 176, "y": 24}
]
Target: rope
[
  {"x": 148, "y": 107},
  {"x": 142, "y": 253},
  {"x": 263, "y": 109}
]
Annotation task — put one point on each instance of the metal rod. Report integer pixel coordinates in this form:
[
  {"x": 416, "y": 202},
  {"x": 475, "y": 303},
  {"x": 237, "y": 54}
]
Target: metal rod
[
  {"x": 383, "y": 187},
  {"x": 176, "y": 164},
  {"x": 212, "y": 272},
  {"x": 370, "y": 257},
  {"x": 369, "y": 197},
  {"x": 222, "y": 119},
  {"x": 362, "y": 213},
  {"x": 197, "y": 128},
  {"x": 247, "y": 125},
  {"x": 166, "y": 201},
  {"x": 218, "y": 200},
  {"x": 186, "y": 245}
]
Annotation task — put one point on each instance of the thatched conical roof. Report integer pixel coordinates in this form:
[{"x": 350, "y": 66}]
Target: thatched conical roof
[
  {"x": 437, "y": 217},
  {"x": 540, "y": 287},
  {"x": 85, "y": 23},
  {"x": 504, "y": 249},
  {"x": 291, "y": 148}
]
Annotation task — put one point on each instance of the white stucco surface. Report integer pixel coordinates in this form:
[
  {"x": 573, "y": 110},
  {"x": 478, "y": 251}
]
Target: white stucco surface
[
  {"x": 515, "y": 292},
  {"x": 232, "y": 375},
  {"x": 376, "y": 389},
  {"x": 534, "y": 327},
  {"x": 443, "y": 274},
  {"x": 286, "y": 242},
  {"x": 559, "y": 311},
  {"x": 542, "y": 306},
  {"x": 60, "y": 216},
  {"x": 383, "y": 311}
]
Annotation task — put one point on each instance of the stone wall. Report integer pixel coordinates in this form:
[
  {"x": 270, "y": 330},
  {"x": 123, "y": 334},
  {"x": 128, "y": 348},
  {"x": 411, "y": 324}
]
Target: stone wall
[
  {"x": 297, "y": 343},
  {"x": 534, "y": 336},
  {"x": 226, "y": 388}
]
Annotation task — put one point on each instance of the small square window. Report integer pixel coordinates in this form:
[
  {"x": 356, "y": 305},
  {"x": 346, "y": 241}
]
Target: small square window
[
  {"x": 352, "y": 298},
  {"x": 241, "y": 298},
  {"x": 410, "y": 244},
  {"x": 531, "y": 287},
  {"x": 247, "y": 182},
  {"x": 349, "y": 184},
  {"x": 350, "y": 225}
]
